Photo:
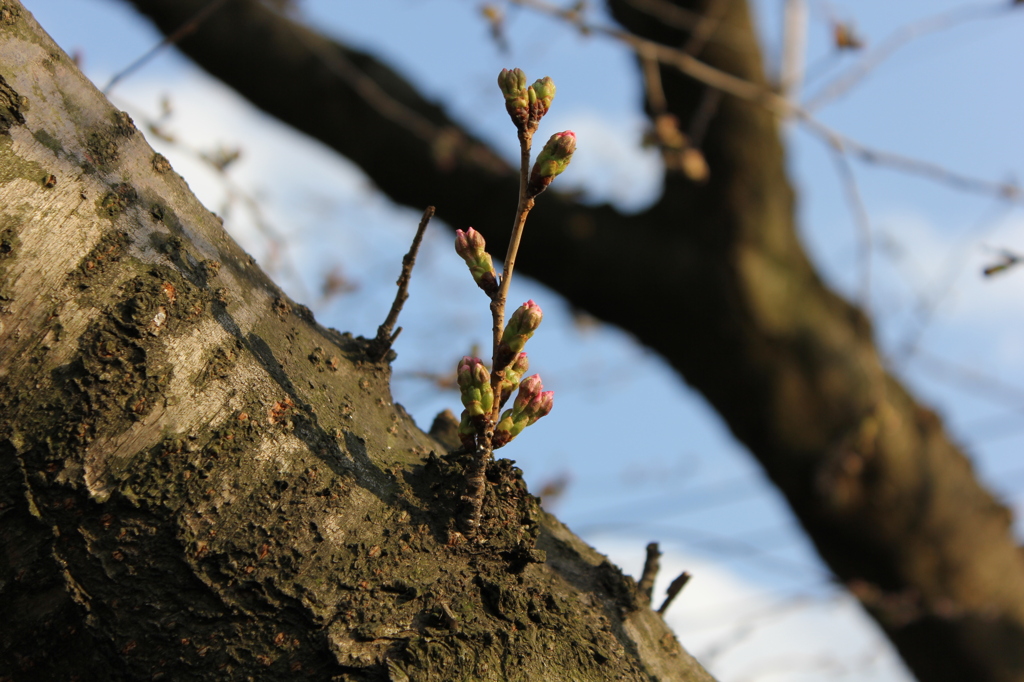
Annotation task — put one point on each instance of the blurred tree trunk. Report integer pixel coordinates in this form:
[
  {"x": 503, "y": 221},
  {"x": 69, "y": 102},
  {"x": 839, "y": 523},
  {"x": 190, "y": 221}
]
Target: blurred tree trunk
[
  {"x": 198, "y": 482},
  {"x": 713, "y": 277}
]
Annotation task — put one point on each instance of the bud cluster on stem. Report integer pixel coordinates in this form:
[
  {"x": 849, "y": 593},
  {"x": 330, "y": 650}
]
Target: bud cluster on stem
[
  {"x": 484, "y": 392},
  {"x": 531, "y": 403}
]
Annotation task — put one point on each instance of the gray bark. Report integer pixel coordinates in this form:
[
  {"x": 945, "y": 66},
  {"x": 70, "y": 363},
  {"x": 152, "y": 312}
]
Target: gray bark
[
  {"x": 714, "y": 278},
  {"x": 197, "y": 481}
]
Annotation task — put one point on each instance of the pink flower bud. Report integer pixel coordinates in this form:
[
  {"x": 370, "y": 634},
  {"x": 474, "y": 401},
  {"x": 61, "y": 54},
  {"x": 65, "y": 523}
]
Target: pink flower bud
[
  {"x": 470, "y": 246},
  {"x": 521, "y": 326},
  {"x": 475, "y": 387},
  {"x": 551, "y": 161}
]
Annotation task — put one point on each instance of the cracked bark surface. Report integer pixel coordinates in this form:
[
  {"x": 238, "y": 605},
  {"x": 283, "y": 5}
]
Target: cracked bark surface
[
  {"x": 198, "y": 482},
  {"x": 714, "y": 278}
]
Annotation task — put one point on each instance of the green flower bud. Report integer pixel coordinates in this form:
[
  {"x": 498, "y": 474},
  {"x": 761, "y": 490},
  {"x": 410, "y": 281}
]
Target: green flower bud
[
  {"x": 517, "y": 96},
  {"x": 520, "y": 328},
  {"x": 475, "y": 387},
  {"x": 470, "y": 245},
  {"x": 512, "y": 376},
  {"x": 532, "y": 403},
  {"x": 551, "y": 161},
  {"x": 541, "y": 93}
]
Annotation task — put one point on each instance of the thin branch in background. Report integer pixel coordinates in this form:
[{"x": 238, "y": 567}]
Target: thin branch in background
[
  {"x": 709, "y": 24},
  {"x": 754, "y": 623},
  {"x": 758, "y": 94},
  {"x": 446, "y": 142},
  {"x": 1007, "y": 260},
  {"x": 181, "y": 32},
  {"x": 954, "y": 265},
  {"x": 863, "y": 222},
  {"x": 794, "y": 48},
  {"x": 684, "y": 19},
  {"x": 385, "y": 337},
  {"x": 940, "y": 22},
  {"x": 646, "y": 585},
  {"x": 978, "y": 382},
  {"x": 1009, "y": 191}
]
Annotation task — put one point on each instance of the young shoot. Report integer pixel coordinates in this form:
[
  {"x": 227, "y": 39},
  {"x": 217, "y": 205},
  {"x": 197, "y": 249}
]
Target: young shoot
[{"x": 484, "y": 427}]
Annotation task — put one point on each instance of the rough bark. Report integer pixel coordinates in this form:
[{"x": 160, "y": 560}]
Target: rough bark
[
  {"x": 714, "y": 278},
  {"x": 198, "y": 482}
]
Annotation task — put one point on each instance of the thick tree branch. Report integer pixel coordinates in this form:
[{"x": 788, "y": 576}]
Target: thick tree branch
[
  {"x": 714, "y": 278},
  {"x": 198, "y": 482}
]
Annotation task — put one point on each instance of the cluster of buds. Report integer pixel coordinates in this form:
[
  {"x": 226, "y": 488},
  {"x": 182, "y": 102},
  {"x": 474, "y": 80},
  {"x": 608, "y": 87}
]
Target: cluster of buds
[
  {"x": 551, "y": 161},
  {"x": 479, "y": 394},
  {"x": 531, "y": 403},
  {"x": 520, "y": 328},
  {"x": 470, "y": 246},
  {"x": 526, "y": 105},
  {"x": 484, "y": 393},
  {"x": 477, "y": 398}
]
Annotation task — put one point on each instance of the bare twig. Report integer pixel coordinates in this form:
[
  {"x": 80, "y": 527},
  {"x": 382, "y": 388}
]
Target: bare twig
[
  {"x": 855, "y": 74},
  {"x": 476, "y": 479},
  {"x": 953, "y": 266},
  {"x": 385, "y": 338},
  {"x": 185, "y": 29},
  {"x": 673, "y": 591},
  {"x": 709, "y": 23},
  {"x": 679, "y": 17},
  {"x": 646, "y": 585},
  {"x": 762, "y": 96},
  {"x": 862, "y": 221},
  {"x": 794, "y": 44}
]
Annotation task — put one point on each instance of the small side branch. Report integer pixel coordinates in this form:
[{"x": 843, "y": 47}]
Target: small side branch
[
  {"x": 385, "y": 338},
  {"x": 673, "y": 591},
  {"x": 651, "y": 565},
  {"x": 183, "y": 31}
]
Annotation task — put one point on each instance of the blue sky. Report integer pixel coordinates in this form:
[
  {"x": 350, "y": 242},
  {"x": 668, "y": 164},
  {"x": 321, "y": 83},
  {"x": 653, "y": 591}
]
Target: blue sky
[{"x": 645, "y": 457}]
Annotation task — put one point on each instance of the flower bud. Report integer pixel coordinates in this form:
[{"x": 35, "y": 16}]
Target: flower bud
[
  {"x": 475, "y": 387},
  {"x": 520, "y": 328},
  {"x": 551, "y": 161},
  {"x": 531, "y": 403},
  {"x": 541, "y": 93},
  {"x": 506, "y": 430},
  {"x": 517, "y": 96},
  {"x": 512, "y": 376},
  {"x": 529, "y": 388},
  {"x": 470, "y": 246}
]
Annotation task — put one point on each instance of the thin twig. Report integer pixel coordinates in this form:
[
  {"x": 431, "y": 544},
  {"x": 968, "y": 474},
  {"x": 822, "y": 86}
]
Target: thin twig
[
  {"x": 794, "y": 45},
  {"x": 646, "y": 584},
  {"x": 862, "y": 221},
  {"x": 710, "y": 22},
  {"x": 681, "y": 18},
  {"x": 385, "y": 338},
  {"x": 185, "y": 29},
  {"x": 953, "y": 266},
  {"x": 476, "y": 479},
  {"x": 855, "y": 74},
  {"x": 673, "y": 591},
  {"x": 762, "y": 96}
]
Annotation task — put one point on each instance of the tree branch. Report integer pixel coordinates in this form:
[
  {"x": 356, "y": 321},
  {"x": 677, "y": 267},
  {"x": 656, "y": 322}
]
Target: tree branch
[{"x": 729, "y": 298}]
